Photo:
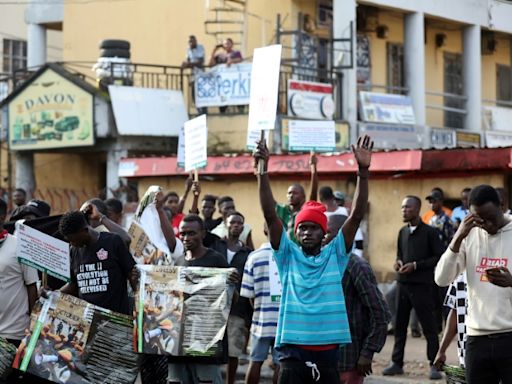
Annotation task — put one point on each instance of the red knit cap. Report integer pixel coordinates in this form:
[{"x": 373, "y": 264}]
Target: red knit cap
[{"x": 313, "y": 212}]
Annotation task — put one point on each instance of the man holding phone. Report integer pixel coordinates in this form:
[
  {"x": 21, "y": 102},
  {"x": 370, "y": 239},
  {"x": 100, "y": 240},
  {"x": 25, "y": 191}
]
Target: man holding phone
[
  {"x": 481, "y": 246},
  {"x": 418, "y": 250}
]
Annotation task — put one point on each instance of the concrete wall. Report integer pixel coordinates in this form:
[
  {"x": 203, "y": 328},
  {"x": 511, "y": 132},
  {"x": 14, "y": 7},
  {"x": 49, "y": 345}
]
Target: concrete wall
[{"x": 386, "y": 195}]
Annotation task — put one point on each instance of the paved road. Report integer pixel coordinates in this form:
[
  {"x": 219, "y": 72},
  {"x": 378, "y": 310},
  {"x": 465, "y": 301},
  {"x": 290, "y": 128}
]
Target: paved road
[{"x": 416, "y": 365}]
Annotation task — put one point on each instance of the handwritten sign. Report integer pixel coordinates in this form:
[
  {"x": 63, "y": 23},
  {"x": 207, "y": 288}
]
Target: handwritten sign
[
  {"x": 305, "y": 135},
  {"x": 44, "y": 253},
  {"x": 264, "y": 90},
  {"x": 196, "y": 137}
]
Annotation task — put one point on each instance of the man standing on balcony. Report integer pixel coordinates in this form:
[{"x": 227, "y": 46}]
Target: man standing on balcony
[{"x": 195, "y": 61}]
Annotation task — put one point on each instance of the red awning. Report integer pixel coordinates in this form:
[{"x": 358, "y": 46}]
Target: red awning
[{"x": 382, "y": 162}]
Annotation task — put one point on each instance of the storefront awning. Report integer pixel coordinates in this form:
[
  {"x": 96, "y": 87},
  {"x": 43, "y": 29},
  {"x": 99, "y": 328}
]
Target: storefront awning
[{"x": 383, "y": 162}]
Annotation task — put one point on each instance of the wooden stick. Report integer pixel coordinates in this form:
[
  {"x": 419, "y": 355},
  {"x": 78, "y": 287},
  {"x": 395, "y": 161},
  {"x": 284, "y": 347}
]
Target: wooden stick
[
  {"x": 312, "y": 166},
  {"x": 44, "y": 280},
  {"x": 261, "y": 164},
  {"x": 196, "y": 175}
]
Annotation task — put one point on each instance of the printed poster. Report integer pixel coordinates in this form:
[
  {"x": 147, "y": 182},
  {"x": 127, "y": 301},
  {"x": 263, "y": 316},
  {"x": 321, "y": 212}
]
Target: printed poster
[
  {"x": 43, "y": 252},
  {"x": 311, "y": 135},
  {"x": 182, "y": 311},
  {"x": 196, "y": 141},
  {"x": 71, "y": 341},
  {"x": 276, "y": 290}
]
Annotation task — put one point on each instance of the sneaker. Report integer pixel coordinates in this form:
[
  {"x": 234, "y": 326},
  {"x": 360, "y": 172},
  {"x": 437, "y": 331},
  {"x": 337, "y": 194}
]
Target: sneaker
[
  {"x": 415, "y": 333},
  {"x": 435, "y": 374},
  {"x": 393, "y": 369}
]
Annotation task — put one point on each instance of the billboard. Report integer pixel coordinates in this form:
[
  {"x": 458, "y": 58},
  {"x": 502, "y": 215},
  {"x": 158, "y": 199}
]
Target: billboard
[{"x": 51, "y": 112}]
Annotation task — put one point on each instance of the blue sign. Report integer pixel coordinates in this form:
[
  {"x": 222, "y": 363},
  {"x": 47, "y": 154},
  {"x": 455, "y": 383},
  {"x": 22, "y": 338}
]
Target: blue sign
[{"x": 223, "y": 85}]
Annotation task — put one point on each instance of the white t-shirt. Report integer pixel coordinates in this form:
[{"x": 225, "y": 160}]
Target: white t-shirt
[
  {"x": 14, "y": 317},
  {"x": 338, "y": 211}
]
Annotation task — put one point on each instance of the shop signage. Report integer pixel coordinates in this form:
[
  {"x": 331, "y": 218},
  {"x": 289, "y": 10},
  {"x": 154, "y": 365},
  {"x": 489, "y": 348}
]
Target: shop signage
[
  {"x": 466, "y": 139},
  {"x": 442, "y": 138},
  {"x": 386, "y": 108},
  {"x": 309, "y": 100},
  {"x": 51, "y": 112},
  {"x": 388, "y": 136},
  {"x": 498, "y": 139}
]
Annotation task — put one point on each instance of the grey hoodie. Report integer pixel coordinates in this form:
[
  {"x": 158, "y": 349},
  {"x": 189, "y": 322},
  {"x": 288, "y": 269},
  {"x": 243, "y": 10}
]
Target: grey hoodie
[{"x": 489, "y": 306}]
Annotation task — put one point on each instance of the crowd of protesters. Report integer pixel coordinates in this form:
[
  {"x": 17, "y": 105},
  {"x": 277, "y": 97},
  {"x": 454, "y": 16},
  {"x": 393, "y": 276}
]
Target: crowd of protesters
[{"x": 328, "y": 317}]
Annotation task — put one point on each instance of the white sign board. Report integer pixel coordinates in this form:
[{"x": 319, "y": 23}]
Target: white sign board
[
  {"x": 310, "y": 100},
  {"x": 498, "y": 139},
  {"x": 264, "y": 89},
  {"x": 181, "y": 148},
  {"x": 276, "y": 289},
  {"x": 147, "y": 112},
  {"x": 196, "y": 139},
  {"x": 43, "y": 252},
  {"x": 311, "y": 135},
  {"x": 386, "y": 108},
  {"x": 223, "y": 85},
  {"x": 497, "y": 118}
]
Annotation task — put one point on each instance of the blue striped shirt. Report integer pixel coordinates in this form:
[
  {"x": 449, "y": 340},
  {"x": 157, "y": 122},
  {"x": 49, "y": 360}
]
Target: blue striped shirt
[
  {"x": 312, "y": 304},
  {"x": 255, "y": 285}
]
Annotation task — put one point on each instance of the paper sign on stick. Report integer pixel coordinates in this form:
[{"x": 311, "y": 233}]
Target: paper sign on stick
[
  {"x": 311, "y": 135},
  {"x": 196, "y": 138},
  {"x": 43, "y": 252},
  {"x": 264, "y": 90},
  {"x": 181, "y": 148}
]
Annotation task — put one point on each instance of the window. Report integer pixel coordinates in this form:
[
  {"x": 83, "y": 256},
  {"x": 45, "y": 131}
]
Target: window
[
  {"x": 14, "y": 55},
  {"x": 453, "y": 81},
  {"x": 503, "y": 83},
  {"x": 395, "y": 66}
]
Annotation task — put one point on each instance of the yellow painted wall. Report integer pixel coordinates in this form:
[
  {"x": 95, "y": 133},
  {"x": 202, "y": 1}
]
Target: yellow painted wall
[
  {"x": 385, "y": 199},
  {"x": 158, "y": 29},
  {"x": 434, "y": 60}
]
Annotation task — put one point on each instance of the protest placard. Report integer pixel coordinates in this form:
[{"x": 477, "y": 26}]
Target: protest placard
[
  {"x": 264, "y": 91},
  {"x": 274, "y": 281},
  {"x": 74, "y": 342},
  {"x": 182, "y": 311},
  {"x": 196, "y": 140},
  {"x": 181, "y": 148},
  {"x": 223, "y": 85},
  {"x": 43, "y": 252},
  {"x": 311, "y": 135}
]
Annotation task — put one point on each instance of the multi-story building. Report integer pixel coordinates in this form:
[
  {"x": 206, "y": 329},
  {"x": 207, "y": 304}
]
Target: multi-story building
[{"x": 438, "y": 75}]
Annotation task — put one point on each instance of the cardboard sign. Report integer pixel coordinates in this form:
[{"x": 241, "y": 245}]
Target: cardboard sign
[
  {"x": 196, "y": 138},
  {"x": 44, "y": 253},
  {"x": 318, "y": 135},
  {"x": 264, "y": 90}
]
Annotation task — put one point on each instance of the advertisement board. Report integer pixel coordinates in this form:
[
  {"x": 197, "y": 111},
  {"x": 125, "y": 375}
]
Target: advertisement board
[
  {"x": 51, "y": 112},
  {"x": 310, "y": 100},
  {"x": 386, "y": 108}
]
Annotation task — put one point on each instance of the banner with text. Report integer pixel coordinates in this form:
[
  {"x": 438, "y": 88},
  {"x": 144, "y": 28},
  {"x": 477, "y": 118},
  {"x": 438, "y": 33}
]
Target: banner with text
[
  {"x": 43, "y": 252},
  {"x": 196, "y": 142},
  {"x": 386, "y": 108},
  {"x": 223, "y": 85}
]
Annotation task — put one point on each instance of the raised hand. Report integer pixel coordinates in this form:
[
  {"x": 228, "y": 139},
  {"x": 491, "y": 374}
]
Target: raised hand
[
  {"x": 159, "y": 200},
  {"x": 363, "y": 151},
  {"x": 261, "y": 153},
  {"x": 196, "y": 188}
]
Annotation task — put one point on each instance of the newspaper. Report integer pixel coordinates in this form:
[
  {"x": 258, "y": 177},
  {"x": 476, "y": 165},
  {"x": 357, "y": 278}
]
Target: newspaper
[
  {"x": 182, "y": 311},
  {"x": 148, "y": 244},
  {"x": 72, "y": 341}
]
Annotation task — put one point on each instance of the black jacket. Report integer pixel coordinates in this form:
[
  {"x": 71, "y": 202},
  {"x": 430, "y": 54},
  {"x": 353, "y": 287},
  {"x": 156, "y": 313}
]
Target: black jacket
[
  {"x": 425, "y": 247},
  {"x": 242, "y": 307}
]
